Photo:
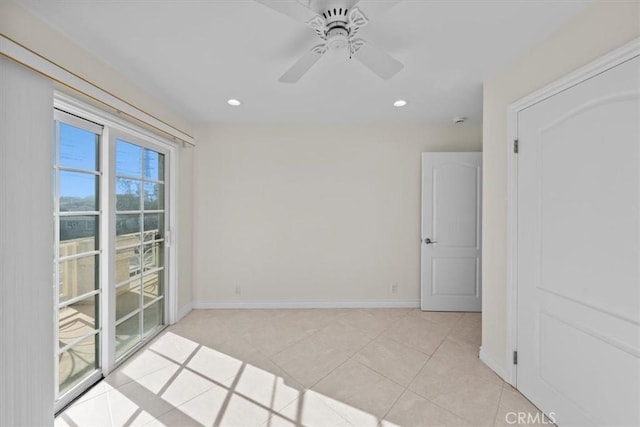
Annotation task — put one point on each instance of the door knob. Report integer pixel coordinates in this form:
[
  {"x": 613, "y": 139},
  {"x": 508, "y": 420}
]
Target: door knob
[{"x": 428, "y": 241}]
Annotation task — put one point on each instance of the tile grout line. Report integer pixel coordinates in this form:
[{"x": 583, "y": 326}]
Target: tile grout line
[
  {"x": 351, "y": 359},
  {"x": 110, "y": 410},
  {"x": 116, "y": 388},
  {"x": 427, "y": 398},
  {"x": 348, "y": 358},
  {"x": 181, "y": 368},
  {"x": 384, "y": 375},
  {"x": 406, "y": 389},
  {"x": 298, "y": 341},
  {"x": 341, "y": 364},
  {"x": 495, "y": 417},
  {"x": 419, "y": 350},
  {"x": 291, "y": 345},
  {"x": 217, "y": 383},
  {"x": 445, "y": 409}
]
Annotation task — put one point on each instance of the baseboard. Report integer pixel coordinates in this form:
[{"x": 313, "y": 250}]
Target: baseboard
[
  {"x": 184, "y": 310},
  {"x": 493, "y": 365},
  {"x": 306, "y": 304}
]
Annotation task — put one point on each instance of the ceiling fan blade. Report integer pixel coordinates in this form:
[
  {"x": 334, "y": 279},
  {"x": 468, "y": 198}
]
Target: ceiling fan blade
[
  {"x": 301, "y": 67},
  {"x": 291, "y": 8},
  {"x": 378, "y": 61},
  {"x": 388, "y": 4},
  {"x": 375, "y": 9}
]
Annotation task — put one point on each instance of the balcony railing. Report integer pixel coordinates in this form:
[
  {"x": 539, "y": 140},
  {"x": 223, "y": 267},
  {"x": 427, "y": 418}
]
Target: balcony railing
[{"x": 78, "y": 275}]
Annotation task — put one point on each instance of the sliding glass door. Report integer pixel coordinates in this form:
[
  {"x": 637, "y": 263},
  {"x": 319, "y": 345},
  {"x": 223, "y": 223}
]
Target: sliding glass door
[
  {"x": 140, "y": 263},
  {"x": 111, "y": 216}
]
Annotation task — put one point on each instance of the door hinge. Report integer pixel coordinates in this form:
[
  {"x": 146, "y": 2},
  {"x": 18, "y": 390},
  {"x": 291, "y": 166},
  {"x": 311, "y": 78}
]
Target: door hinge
[
  {"x": 515, "y": 357},
  {"x": 515, "y": 146}
]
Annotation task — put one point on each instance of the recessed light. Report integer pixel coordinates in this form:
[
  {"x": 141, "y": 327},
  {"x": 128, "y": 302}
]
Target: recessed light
[
  {"x": 400, "y": 103},
  {"x": 234, "y": 102}
]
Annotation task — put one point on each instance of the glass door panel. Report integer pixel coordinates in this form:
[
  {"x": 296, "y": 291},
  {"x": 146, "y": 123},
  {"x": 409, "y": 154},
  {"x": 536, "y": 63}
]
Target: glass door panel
[
  {"x": 139, "y": 259},
  {"x": 77, "y": 251}
]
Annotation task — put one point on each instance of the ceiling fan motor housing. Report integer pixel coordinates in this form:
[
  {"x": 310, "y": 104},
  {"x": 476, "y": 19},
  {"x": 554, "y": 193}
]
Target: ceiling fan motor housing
[{"x": 337, "y": 32}]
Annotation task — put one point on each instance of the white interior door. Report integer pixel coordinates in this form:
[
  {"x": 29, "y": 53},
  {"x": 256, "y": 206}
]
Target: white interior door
[
  {"x": 451, "y": 226},
  {"x": 578, "y": 251}
]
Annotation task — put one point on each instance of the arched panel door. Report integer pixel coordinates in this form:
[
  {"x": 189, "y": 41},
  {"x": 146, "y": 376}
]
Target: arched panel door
[{"x": 451, "y": 231}]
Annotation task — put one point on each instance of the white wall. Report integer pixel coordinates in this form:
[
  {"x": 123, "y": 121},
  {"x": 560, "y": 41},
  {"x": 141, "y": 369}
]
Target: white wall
[
  {"x": 312, "y": 214},
  {"x": 185, "y": 244},
  {"x": 30, "y": 31},
  {"x": 599, "y": 29},
  {"x": 26, "y": 248}
]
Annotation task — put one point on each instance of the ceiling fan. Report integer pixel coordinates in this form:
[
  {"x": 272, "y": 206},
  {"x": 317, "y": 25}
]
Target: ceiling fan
[{"x": 336, "y": 23}]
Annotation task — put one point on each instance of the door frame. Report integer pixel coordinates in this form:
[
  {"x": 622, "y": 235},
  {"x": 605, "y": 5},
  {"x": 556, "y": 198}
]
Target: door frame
[
  {"x": 616, "y": 57},
  {"x": 88, "y": 112}
]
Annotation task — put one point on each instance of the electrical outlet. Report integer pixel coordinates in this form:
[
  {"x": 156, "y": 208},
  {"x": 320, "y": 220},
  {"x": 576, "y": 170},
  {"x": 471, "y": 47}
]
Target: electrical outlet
[
  {"x": 394, "y": 288},
  {"x": 238, "y": 290}
]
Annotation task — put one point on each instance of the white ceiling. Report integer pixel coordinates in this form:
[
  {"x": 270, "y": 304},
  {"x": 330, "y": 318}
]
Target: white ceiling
[{"x": 196, "y": 54}]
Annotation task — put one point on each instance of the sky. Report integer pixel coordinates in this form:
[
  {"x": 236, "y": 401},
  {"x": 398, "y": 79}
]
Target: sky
[{"x": 79, "y": 150}]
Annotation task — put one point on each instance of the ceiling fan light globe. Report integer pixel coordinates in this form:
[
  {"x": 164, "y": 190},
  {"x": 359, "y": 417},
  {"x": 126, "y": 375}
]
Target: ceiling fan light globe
[
  {"x": 338, "y": 38},
  {"x": 338, "y": 43}
]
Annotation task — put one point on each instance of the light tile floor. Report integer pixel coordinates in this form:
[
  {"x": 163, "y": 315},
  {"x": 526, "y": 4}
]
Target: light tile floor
[{"x": 317, "y": 367}]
